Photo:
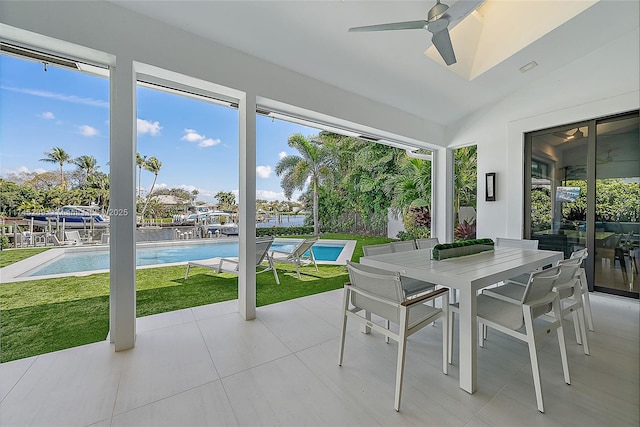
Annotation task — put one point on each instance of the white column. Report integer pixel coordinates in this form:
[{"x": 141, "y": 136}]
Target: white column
[
  {"x": 122, "y": 205},
  {"x": 247, "y": 205},
  {"x": 442, "y": 190}
]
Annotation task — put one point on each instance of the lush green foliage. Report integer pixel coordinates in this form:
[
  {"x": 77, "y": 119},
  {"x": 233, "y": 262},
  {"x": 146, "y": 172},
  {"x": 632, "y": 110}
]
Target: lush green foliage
[
  {"x": 465, "y": 165},
  {"x": 281, "y": 231},
  {"x": 461, "y": 248},
  {"x": 616, "y": 201}
]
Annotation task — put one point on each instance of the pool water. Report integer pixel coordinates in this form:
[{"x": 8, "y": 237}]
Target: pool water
[{"x": 152, "y": 255}]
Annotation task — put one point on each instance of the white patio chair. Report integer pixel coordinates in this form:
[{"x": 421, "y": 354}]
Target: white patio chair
[
  {"x": 231, "y": 265},
  {"x": 509, "y": 318},
  {"x": 411, "y": 287},
  {"x": 402, "y": 246},
  {"x": 384, "y": 248},
  {"x": 300, "y": 256},
  {"x": 53, "y": 238},
  {"x": 516, "y": 243},
  {"x": 427, "y": 243},
  {"x": 520, "y": 244},
  {"x": 73, "y": 236},
  {"x": 568, "y": 288},
  {"x": 380, "y": 292},
  {"x": 584, "y": 287}
]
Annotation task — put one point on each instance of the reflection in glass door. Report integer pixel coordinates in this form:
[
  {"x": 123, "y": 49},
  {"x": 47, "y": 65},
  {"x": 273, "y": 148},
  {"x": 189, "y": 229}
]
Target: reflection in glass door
[
  {"x": 582, "y": 189},
  {"x": 617, "y": 223}
]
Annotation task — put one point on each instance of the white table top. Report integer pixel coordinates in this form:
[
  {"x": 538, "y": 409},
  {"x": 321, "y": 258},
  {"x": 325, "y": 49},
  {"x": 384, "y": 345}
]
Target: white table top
[{"x": 467, "y": 272}]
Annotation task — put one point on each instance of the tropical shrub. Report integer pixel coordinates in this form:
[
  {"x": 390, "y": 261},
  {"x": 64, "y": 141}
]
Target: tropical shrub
[{"x": 465, "y": 230}]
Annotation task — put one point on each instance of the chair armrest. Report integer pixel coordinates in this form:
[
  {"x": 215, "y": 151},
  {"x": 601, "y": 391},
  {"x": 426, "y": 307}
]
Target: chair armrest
[{"x": 425, "y": 297}]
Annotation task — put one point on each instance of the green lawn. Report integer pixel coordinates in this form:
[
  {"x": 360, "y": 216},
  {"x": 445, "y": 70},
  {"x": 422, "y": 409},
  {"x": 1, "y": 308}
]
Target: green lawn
[{"x": 41, "y": 316}]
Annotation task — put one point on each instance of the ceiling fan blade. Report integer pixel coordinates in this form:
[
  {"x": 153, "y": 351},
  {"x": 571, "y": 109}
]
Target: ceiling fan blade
[
  {"x": 408, "y": 25},
  {"x": 442, "y": 42}
]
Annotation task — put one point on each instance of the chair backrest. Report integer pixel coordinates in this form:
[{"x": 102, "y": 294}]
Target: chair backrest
[
  {"x": 516, "y": 243},
  {"x": 378, "y": 283},
  {"x": 581, "y": 253},
  {"x": 427, "y": 243},
  {"x": 384, "y": 248},
  {"x": 539, "y": 285},
  {"x": 403, "y": 246},
  {"x": 262, "y": 248},
  {"x": 303, "y": 247},
  {"x": 568, "y": 276},
  {"x": 73, "y": 235}
]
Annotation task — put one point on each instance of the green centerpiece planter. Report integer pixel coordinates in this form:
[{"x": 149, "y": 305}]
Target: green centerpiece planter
[{"x": 466, "y": 247}]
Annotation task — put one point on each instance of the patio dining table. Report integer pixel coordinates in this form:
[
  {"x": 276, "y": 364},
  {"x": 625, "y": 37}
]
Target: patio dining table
[{"x": 468, "y": 274}]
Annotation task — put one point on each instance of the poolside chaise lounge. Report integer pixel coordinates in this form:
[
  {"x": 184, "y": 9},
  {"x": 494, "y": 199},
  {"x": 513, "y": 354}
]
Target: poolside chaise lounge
[
  {"x": 301, "y": 255},
  {"x": 232, "y": 265}
]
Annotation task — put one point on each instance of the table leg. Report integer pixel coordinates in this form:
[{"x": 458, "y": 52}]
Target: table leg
[{"x": 468, "y": 341}]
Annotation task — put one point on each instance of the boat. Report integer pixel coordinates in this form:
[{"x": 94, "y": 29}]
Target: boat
[
  {"x": 213, "y": 221},
  {"x": 193, "y": 215},
  {"x": 220, "y": 222},
  {"x": 69, "y": 216}
]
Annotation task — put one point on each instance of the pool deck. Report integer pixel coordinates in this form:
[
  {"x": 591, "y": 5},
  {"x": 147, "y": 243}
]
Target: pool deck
[{"x": 15, "y": 272}]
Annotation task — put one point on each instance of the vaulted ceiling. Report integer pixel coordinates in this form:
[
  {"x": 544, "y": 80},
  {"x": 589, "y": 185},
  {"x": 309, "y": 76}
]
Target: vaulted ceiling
[{"x": 496, "y": 39}]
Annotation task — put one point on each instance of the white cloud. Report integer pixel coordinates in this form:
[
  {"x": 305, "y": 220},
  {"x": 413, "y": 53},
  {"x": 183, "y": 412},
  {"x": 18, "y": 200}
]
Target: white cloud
[
  {"x": 22, "y": 169},
  {"x": 270, "y": 195},
  {"x": 191, "y": 135},
  {"x": 87, "y": 130},
  {"x": 59, "y": 96},
  {"x": 263, "y": 171},
  {"x": 47, "y": 115},
  {"x": 147, "y": 127},
  {"x": 282, "y": 154},
  {"x": 209, "y": 142}
]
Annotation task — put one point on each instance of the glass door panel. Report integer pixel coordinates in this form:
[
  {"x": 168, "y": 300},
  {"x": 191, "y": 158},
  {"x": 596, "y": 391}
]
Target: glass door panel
[
  {"x": 617, "y": 206},
  {"x": 558, "y": 192}
]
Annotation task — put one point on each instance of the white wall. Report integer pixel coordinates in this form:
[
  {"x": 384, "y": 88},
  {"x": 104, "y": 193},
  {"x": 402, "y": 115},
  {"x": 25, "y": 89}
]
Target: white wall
[{"x": 607, "y": 81}]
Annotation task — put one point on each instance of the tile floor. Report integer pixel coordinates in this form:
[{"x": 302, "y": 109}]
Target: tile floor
[{"x": 206, "y": 366}]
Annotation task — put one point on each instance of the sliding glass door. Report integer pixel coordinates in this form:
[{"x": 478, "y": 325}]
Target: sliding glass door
[{"x": 582, "y": 189}]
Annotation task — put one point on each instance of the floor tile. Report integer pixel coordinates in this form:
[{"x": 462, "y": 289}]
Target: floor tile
[{"x": 236, "y": 344}]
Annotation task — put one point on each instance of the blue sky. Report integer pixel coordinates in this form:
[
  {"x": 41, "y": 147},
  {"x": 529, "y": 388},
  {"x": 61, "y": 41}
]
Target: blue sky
[{"x": 196, "y": 141}]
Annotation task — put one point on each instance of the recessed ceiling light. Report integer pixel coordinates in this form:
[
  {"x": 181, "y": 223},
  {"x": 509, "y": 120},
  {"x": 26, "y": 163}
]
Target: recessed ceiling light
[{"x": 529, "y": 66}]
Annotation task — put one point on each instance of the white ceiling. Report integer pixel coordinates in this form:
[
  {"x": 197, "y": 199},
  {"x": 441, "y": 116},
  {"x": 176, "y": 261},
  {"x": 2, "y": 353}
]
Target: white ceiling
[{"x": 311, "y": 38}]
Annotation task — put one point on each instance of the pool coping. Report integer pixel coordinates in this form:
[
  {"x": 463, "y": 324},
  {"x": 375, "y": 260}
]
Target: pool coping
[{"x": 12, "y": 272}]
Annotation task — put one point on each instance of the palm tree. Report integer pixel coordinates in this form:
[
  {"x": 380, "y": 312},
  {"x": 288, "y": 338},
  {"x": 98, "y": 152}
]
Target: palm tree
[
  {"x": 152, "y": 165},
  {"x": 59, "y": 156},
  {"x": 140, "y": 162},
  {"x": 465, "y": 177},
  {"x": 88, "y": 164},
  {"x": 313, "y": 165},
  {"x": 412, "y": 183}
]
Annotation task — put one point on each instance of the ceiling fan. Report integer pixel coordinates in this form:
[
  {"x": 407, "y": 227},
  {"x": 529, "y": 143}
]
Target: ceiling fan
[
  {"x": 437, "y": 22},
  {"x": 577, "y": 134}
]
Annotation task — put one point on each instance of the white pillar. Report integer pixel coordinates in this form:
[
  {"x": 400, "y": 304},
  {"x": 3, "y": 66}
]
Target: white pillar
[
  {"x": 247, "y": 205},
  {"x": 442, "y": 186},
  {"x": 122, "y": 200}
]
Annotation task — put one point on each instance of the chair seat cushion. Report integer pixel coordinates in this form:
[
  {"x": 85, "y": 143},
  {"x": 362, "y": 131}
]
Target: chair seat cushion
[
  {"x": 510, "y": 291},
  {"x": 421, "y": 313},
  {"x": 501, "y": 312},
  {"x": 414, "y": 286}
]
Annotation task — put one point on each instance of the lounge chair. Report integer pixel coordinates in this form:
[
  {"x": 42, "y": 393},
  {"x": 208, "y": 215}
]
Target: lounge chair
[
  {"x": 72, "y": 236},
  {"x": 52, "y": 238},
  {"x": 301, "y": 255},
  {"x": 232, "y": 265}
]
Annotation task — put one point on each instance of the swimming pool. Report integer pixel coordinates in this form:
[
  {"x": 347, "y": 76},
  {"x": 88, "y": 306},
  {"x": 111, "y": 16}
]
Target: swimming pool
[{"x": 78, "y": 260}]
